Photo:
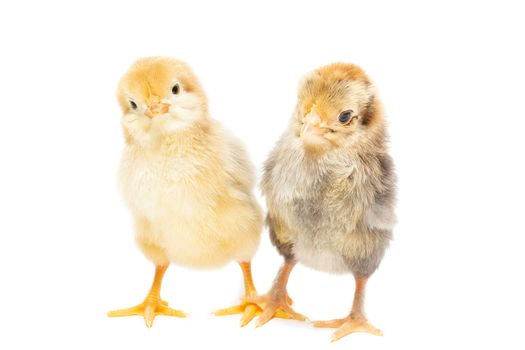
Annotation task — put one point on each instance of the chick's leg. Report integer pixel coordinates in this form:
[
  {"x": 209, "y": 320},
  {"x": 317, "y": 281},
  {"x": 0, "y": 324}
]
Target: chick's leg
[
  {"x": 153, "y": 305},
  {"x": 276, "y": 303},
  {"x": 248, "y": 309},
  {"x": 356, "y": 321}
]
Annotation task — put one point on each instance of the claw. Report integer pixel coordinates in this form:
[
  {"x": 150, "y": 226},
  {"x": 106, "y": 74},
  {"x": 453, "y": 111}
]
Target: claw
[
  {"x": 149, "y": 315},
  {"x": 249, "y": 313}
]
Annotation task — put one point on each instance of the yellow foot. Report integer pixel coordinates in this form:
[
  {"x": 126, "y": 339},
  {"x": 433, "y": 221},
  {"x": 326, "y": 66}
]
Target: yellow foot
[
  {"x": 149, "y": 309},
  {"x": 271, "y": 307},
  {"x": 247, "y": 309},
  {"x": 347, "y": 326}
]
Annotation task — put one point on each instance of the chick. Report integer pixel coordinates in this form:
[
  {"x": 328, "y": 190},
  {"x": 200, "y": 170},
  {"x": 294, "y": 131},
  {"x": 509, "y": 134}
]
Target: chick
[
  {"x": 329, "y": 185},
  {"x": 186, "y": 180}
]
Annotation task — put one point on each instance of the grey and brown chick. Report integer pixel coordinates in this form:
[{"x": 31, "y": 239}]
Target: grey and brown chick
[{"x": 329, "y": 185}]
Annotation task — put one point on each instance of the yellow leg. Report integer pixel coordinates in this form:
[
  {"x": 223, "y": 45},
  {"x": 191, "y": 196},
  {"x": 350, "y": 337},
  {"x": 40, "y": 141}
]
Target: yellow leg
[
  {"x": 248, "y": 309},
  {"x": 153, "y": 305},
  {"x": 277, "y": 303},
  {"x": 356, "y": 321}
]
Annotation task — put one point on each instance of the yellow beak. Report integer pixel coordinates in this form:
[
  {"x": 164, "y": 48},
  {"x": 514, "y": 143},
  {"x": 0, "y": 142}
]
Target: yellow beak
[
  {"x": 155, "y": 107},
  {"x": 312, "y": 126}
]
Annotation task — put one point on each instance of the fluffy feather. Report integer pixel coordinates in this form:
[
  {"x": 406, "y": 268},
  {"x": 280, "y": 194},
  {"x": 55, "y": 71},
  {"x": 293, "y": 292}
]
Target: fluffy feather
[
  {"x": 186, "y": 180},
  {"x": 331, "y": 197}
]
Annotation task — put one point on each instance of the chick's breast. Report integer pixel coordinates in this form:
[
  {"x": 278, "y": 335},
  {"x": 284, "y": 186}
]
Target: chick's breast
[
  {"x": 193, "y": 202},
  {"x": 328, "y": 210}
]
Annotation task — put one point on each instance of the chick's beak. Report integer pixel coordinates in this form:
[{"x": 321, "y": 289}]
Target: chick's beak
[
  {"x": 312, "y": 126},
  {"x": 157, "y": 108}
]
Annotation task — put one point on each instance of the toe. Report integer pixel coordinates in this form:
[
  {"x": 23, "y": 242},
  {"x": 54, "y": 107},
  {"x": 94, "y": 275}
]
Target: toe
[
  {"x": 149, "y": 315},
  {"x": 282, "y": 314},
  {"x": 168, "y": 311},
  {"x": 131, "y": 311},
  {"x": 249, "y": 313},
  {"x": 266, "y": 316},
  {"x": 295, "y": 315},
  {"x": 229, "y": 311},
  {"x": 329, "y": 324}
]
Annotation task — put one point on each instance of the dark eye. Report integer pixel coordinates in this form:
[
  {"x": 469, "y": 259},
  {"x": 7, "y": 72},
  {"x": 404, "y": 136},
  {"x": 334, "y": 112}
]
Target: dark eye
[
  {"x": 175, "y": 89},
  {"x": 133, "y": 104},
  {"x": 345, "y": 116}
]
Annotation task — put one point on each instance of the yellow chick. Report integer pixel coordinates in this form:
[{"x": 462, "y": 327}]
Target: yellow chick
[{"x": 186, "y": 180}]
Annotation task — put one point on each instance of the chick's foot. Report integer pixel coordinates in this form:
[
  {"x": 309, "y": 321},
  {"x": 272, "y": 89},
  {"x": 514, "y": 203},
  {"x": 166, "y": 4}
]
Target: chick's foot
[
  {"x": 347, "y": 326},
  {"x": 149, "y": 308},
  {"x": 277, "y": 303},
  {"x": 273, "y": 306},
  {"x": 248, "y": 310},
  {"x": 153, "y": 305}
]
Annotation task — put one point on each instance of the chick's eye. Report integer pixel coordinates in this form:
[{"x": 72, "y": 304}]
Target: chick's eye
[
  {"x": 133, "y": 104},
  {"x": 175, "y": 89},
  {"x": 345, "y": 116}
]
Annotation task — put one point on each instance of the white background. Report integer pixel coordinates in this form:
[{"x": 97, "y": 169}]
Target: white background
[{"x": 451, "y": 78}]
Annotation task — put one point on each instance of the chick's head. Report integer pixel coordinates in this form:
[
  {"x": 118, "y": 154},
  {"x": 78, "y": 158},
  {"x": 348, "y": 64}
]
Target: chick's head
[
  {"x": 336, "y": 106},
  {"x": 160, "y": 95}
]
